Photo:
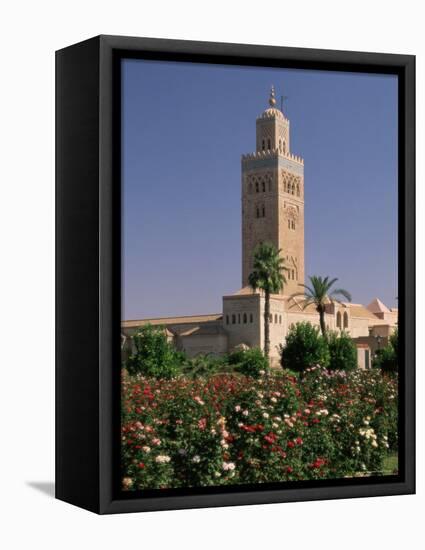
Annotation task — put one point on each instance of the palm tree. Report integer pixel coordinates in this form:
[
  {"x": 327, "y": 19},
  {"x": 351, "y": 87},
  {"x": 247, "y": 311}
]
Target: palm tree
[
  {"x": 267, "y": 275},
  {"x": 319, "y": 293}
]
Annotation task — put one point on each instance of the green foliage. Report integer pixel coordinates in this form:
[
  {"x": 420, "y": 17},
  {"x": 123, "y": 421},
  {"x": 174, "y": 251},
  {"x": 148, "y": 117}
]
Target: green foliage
[
  {"x": 153, "y": 355},
  {"x": 268, "y": 272},
  {"x": 386, "y": 358},
  {"x": 319, "y": 292},
  {"x": 251, "y": 362},
  {"x": 342, "y": 351},
  {"x": 204, "y": 365},
  {"x": 305, "y": 347},
  {"x": 394, "y": 344}
]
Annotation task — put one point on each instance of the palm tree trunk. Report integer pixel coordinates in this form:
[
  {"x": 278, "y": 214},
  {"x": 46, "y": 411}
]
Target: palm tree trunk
[
  {"x": 322, "y": 322},
  {"x": 267, "y": 324}
]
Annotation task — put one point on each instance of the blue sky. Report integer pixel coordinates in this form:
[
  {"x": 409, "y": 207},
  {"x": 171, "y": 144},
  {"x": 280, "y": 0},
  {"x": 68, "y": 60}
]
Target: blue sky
[{"x": 185, "y": 127}]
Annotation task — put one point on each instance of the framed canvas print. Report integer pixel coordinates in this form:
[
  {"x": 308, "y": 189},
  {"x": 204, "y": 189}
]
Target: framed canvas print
[{"x": 235, "y": 274}]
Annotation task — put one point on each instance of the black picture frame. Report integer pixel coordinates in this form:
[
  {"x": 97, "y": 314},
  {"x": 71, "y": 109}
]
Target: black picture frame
[{"x": 88, "y": 252}]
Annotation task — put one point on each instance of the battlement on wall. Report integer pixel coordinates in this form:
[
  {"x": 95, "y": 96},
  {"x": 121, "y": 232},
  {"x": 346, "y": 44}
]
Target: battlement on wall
[{"x": 272, "y": 153}]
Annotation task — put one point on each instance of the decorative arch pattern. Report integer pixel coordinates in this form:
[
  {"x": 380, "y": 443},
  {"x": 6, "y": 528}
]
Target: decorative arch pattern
[
  {"x": 291, "y": 183},
  {"x": 260, "y": 183}
]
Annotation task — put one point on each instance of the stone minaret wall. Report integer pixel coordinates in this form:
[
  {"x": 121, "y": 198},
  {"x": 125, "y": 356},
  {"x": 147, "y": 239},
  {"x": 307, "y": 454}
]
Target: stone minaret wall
[
  {"x": 291, "y": 226},
  {"x": 273, "y": 197}
]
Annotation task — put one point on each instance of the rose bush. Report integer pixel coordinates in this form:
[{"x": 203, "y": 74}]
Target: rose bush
[{"x": 234, "y": 429}]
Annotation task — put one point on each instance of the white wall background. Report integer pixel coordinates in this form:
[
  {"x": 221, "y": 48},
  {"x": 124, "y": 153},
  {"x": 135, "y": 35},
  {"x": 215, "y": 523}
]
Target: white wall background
[{"x": 30, "y": 32}]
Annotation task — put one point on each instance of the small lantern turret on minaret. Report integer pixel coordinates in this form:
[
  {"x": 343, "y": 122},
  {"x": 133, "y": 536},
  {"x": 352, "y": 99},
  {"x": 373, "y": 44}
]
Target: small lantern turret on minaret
[{"x": 273, "y": 128}]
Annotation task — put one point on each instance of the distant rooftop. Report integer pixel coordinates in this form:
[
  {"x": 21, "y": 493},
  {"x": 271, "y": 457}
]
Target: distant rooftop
[
  {"x": 376, "y": 306},
  {"x": 189, "y": 319}
]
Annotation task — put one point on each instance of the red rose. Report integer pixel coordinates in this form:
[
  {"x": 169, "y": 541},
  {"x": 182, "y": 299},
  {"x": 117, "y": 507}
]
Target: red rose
[
  {"x": 141, "y": 465},
  {"x": 318, "y": 463},
  {"x": 270, "y": 438},
  {"x": 291, "y": 444}
]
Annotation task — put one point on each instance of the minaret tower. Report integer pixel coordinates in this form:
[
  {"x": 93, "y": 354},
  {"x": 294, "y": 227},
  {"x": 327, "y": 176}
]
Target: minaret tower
[{"x": 273, "y": 197}]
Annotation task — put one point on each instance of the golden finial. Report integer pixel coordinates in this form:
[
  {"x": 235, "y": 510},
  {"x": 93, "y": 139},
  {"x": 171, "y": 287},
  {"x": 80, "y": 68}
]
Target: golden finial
[{"x": 272, "y": 99}]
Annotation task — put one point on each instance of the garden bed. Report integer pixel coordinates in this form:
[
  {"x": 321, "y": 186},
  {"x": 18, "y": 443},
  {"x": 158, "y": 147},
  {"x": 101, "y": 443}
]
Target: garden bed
[{"x": 232, "y": 429}]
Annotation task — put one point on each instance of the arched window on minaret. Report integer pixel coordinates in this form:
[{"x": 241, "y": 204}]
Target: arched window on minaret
[
  {"x": 338, "y": 319},
  {"x": 345, "y": 319},
  {"x": 258, "y": 211},
  {"x": 263, "y": 145},
  {"x": 269, "y": 145},
  {"x": 250, "y": 187},
  {"x": 284, "y": 148},
  {"x": 263, "y": 211},
  {"x": 298, "y": 189},
  {"x": 245, "y": 318},
  {"x": 264, "y": 186},
  {"x": 280, "y": 145},
  {"x": 256, "y": 187}
]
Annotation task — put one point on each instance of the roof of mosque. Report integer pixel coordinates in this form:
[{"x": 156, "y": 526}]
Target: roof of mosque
[{"x": 189, "y": 319}]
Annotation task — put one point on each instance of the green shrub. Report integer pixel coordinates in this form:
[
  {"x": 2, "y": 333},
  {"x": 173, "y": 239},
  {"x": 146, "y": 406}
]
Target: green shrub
[
  {"x": 342, "y": 351},
  {"x": 394, "y": 341},
  {"x": 386, "y": 358},
  {"x": 251, "y": 362},
  {"x": 204, "y": 365},
  {"x": 305, "y": 347},
  {"x": 153, "y": 356}
]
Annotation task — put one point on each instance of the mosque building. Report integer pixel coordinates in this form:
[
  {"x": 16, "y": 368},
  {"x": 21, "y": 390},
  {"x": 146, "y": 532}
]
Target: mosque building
[{"x": 272, "y": 191}]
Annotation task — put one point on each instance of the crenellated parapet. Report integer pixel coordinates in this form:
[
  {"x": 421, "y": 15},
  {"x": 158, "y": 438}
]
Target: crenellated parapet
[{"x": 272, "y": 153}]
